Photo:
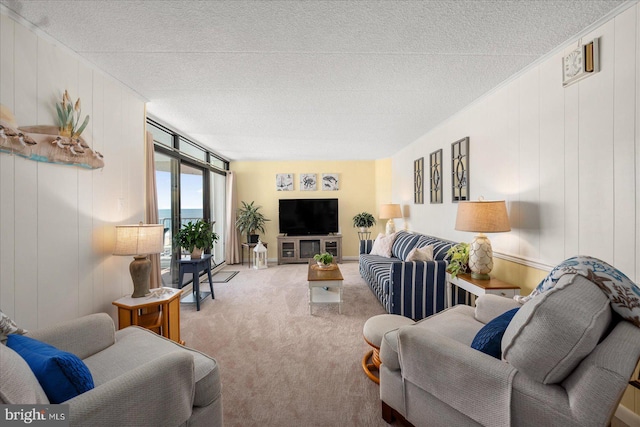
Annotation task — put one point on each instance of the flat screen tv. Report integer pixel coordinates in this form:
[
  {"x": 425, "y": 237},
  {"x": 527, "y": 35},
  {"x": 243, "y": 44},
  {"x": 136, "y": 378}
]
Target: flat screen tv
[{"x": 304, "y": 217}]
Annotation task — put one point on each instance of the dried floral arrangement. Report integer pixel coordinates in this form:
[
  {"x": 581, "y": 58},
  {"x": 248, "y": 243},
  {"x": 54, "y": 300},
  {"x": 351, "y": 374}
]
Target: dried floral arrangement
[{"x": 69, "y": 117}]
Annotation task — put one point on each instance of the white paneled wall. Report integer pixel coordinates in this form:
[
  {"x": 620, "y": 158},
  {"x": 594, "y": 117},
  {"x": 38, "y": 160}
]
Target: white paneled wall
[
  {"x": 566, "y": 160},
  {"x": 57, "y": 222}
]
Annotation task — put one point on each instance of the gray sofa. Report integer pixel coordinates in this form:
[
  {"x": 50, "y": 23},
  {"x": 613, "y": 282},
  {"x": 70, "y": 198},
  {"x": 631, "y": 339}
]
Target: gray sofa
[
  {"x": 411, "y": 289},
  {"x": 141, "y": 378},
  {"x": 566, "y": 361}
]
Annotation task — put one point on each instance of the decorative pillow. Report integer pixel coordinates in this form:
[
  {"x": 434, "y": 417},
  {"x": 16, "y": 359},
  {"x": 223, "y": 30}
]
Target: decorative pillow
[
  {"x": 402, "y": 244},
  {"x": 424, "y": 253},
  {"x": 382, "y": 245},
  {"x": 8, "y": 326},
  {"x": 551, "y": 334},
  {"x": 489, "y": 339},
  {"x": 62, "y": 375},
  {"x": 440, "y": 247}
]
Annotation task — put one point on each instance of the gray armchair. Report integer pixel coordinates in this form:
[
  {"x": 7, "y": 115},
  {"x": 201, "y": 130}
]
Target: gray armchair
[
  {"x": 566, "y": 360},
  {"x": 141, "y": 378}
]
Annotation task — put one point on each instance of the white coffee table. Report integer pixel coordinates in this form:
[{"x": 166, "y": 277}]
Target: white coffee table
[{"x": 325, "y": 285}]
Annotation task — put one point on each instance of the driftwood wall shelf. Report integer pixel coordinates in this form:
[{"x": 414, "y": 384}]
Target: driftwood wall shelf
[{"x": 44, "y": 144}]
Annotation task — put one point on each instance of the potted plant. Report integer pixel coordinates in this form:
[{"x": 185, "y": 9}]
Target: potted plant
[
  {"x": 250, "y": 220},
  {"x": 324, "y": 260},
  {"x": 196, "y": 237},
  {"x": 364, "y": 221},
  {"x": 458, "y": 256}
]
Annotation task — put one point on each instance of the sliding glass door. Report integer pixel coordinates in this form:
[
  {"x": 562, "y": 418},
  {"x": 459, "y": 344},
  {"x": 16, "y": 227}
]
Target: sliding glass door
[
  {"x": 191, "y": 193},
  {"x": 190, "y": 187},
  {"x": 166, "y": 183}
]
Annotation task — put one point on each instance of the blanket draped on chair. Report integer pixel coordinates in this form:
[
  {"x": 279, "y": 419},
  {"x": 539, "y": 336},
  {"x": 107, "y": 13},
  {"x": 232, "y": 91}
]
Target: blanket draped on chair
[{"x": 623, "y": 293}]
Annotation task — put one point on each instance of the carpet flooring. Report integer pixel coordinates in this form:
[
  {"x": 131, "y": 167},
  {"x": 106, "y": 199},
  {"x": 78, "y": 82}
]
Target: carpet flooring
[{"x": 281, "y": 366}]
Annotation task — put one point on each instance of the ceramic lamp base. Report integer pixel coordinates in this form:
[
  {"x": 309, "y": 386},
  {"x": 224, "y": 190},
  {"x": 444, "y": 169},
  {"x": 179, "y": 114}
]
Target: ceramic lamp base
[
  {"x": 480, "y": 257},
  {"x": 140, "y": 268},
  {"x": 391, "y": 227}
]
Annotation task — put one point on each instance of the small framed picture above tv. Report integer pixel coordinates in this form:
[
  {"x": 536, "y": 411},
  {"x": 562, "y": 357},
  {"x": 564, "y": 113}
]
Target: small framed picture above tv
[
  {"x": 284, "y": 182},
  {"x": 330, "y": 182},
  {"x": 308, "y": 182}
]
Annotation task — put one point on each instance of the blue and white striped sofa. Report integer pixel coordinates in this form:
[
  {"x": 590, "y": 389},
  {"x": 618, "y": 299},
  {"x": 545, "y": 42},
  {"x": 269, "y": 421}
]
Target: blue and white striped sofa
[{"x": 411, "y": 289}]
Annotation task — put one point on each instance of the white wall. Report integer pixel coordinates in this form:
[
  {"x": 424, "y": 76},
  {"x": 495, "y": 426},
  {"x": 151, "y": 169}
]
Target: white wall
[
  {"x": 57, "y": 222},
  {"x": 567, "y": 160}
]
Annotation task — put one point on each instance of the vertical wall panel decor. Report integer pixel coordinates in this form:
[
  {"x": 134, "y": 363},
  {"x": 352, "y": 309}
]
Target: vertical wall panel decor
[
  {"x": 418, "y": 181},
  {"x": 460, "y": 170},
  {"x": 435, "y": 176}
]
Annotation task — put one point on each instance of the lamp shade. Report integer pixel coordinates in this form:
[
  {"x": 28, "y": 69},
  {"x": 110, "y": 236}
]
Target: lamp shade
[
  {"x": 390, "y": 211},
  {"x": 482, "y": 217},
  {"x": 141, "y": 239}
]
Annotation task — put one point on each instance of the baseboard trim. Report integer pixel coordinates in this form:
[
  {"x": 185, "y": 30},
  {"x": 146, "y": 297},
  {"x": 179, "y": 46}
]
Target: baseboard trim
[{"x": 627, "y": 416}]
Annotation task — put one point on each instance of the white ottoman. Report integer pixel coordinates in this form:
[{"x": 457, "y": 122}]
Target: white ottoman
[{"x": 373, "y": 331}]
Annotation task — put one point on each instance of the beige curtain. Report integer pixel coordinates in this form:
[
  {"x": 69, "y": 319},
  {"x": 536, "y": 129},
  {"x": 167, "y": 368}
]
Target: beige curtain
[
  {"x": 151, "y": 207},
  {"x": 232, "y": 248}
]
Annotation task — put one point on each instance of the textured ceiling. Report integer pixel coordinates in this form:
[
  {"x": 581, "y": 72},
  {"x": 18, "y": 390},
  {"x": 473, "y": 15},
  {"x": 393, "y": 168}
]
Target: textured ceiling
[{"x": 293, "y": 80}]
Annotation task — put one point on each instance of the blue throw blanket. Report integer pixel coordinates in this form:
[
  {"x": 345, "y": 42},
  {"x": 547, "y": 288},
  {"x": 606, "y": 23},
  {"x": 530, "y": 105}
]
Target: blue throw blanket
[{"x": 623, "y": 293}]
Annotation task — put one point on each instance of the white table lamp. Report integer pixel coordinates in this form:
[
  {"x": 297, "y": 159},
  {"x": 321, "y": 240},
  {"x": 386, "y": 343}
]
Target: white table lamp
[
  {"x": 139, "y": 241},
  {"x": 390, "y": 211},
  {"x": 482, "y": 217}
]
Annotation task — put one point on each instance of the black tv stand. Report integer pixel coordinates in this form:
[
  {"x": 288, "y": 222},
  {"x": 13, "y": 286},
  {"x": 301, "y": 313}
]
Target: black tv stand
[{"x": 298, "y": 249}]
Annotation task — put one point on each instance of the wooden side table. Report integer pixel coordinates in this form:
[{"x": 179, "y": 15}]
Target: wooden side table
[
  {"x": 249, "y": 247},
  {"x": 160, "y": 314},
  {"x": 480, "y": 287}
]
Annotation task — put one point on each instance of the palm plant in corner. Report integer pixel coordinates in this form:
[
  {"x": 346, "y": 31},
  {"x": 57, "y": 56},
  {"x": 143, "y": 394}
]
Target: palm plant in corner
[{"x": 250, "y": 220}]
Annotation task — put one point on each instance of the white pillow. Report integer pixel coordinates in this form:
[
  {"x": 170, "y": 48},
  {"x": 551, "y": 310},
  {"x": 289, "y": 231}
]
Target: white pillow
[
  {"x": 424, "y": 253},
  {"x": 382, "y": 245}
]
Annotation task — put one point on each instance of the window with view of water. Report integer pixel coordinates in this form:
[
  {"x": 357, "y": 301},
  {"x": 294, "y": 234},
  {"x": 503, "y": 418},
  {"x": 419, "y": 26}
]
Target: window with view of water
[{"x": 191, "y": 185}]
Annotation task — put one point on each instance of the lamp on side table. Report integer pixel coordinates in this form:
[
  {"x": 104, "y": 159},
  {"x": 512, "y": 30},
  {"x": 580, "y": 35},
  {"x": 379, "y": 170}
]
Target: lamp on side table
[
  {"x": 139, "y": 241},
  {"x": 482, "y": 217},
  {"x": 390, "y": 211}
]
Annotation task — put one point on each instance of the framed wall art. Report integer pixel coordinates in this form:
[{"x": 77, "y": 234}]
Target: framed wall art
[
  {"x": 418, "y": 181},
  {"x": 460, "y": 170},
  {"x": 284, "y": 182},
  {"x": 330, "y": 182},
  {"x": 435, "y": 176},
  {"x": 308, "y": 181}
]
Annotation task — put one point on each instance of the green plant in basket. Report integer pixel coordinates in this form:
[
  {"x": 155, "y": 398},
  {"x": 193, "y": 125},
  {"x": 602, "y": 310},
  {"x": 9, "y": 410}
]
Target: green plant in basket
[
  {"x": 198, "y": 235},
  {"x": 458, "y": 256},
  {"x": 325, "y": 258}
]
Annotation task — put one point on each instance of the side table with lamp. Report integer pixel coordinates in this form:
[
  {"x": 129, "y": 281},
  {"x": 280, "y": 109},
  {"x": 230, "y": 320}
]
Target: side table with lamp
[
  {"x": 482, "y": 217},
  {"x": 156, "y": 310}
]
